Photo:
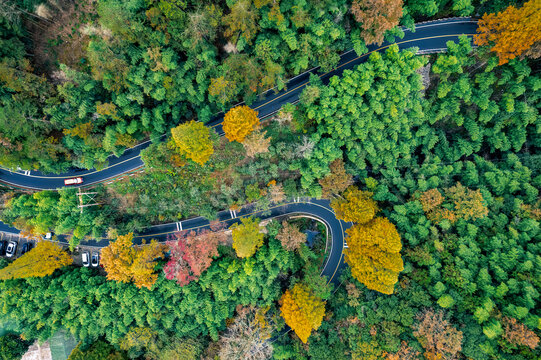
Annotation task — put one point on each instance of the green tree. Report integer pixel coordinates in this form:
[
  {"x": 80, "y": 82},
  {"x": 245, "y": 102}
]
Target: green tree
[
  {"x": 378, "y": 133},
  {"x": 99, "y": 350},
  {"x": 12, "y": 347}
]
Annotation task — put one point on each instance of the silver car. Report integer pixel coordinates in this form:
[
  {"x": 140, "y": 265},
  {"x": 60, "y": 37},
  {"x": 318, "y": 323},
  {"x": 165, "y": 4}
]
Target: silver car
[{"x": 95, "y": 259}]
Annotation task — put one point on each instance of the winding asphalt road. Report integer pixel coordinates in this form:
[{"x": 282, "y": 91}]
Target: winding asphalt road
[{"x": 428, "y": 37}]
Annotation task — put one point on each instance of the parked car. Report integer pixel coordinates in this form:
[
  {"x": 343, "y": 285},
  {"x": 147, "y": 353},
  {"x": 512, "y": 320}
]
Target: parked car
[
  {"x": 95, "y": 259},
  {"x": 73, "y": 181},
  {"x": 48, "y": 236},
  {"x": 85, "y": 256},
  {"x": 11, "y": 249},
  {"x": 26, "y": 247},
  {"x": 3, "y": 246}
]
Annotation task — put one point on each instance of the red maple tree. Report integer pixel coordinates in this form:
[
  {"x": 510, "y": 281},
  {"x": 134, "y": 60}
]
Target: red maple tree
[{"x": 192, "y": 253}]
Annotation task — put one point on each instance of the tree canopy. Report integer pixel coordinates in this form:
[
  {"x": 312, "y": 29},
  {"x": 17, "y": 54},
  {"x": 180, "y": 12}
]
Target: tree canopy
[
  {"x": 40, "y": 261},
  {"x": 126, "y": 262}
]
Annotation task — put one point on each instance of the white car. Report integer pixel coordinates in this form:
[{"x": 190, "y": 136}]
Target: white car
[
  {"x": 10, "y": 250},
  {"x": 73, "y": 181},
  {"x": 85, "y": 257}
]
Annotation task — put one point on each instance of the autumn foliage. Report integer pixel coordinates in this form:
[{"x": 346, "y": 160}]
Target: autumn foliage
[
  {"x": 193, "y": 141},
  {"x": 41, "y": 261},
  {"x": 518, "y": 334},
  {"x": 246, "y": 237},
  {"x": 192, "y": 253},
  {"x": 356, "y": 205},
  {"x": 511, "y": 32},
  {"x": 302, "y": 310},
  {"x": 438, "y": 336},
  {"x": 405, "y": 353},
  {"x": 459, "y": 202},
  {"x": 125, "y": 262},
  {"x": 248, "y": 336},
  {"x": 290, "y": 236},
  {"x": 239, "y": 122},
  {"x": 337, "y": 181},
  {"x": 376, "y": 17},
  {"x": 373, "y": 254},
  {"x": 256, "y": 143}
]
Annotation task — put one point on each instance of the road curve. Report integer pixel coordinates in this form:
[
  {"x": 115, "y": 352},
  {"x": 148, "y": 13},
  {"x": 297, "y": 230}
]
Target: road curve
[
  {"x": 428, "y": 37},
  {"x": 315, "y": 208}
]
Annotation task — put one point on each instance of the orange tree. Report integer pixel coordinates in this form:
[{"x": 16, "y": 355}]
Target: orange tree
[
  {"x": 246, "y": 237},
  {"x": 126, "y": 263},
  {"x": 193, "y": 141},
  {"x": 373, "y": 254},
  {"x": 41, "y": 261},
  {"x": 511, "y": 32},
  {"x": 302, "y": 310},
  {"x": 356, "y": 205},
  {"x": 239, "y": 122},
  {"x": 376, "y": 17}
]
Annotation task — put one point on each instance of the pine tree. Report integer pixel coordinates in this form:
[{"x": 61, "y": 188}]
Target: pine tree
[{"x": 41, "y": 261}]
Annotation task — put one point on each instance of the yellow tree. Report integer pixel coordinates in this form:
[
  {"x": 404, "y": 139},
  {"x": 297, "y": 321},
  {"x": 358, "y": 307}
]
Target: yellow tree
[
  {"x": 246, "y": 237},
  {"x": 193, "y": 141},
  {"x": 373, "y": 254},
  {"x": 302, "y": 310},
  {"x": 41, "y": 261},
  {"x": 511, "y": 32},
  {"x": 356, "y": 205},
  {"x": 126, "y": 263},
  {"x": 239, "y": 122}
]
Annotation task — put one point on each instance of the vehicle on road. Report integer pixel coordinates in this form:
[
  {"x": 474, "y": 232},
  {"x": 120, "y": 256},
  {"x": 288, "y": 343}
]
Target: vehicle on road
[
  {"x": 11, "y": 249},
  {"x": 26, "y": 247},
  {"x": 3, "y": 246},
  {"x": 85, "y": 257},
  {"x": 95, "y": 259},
  {"x": 73, "y": 181}
]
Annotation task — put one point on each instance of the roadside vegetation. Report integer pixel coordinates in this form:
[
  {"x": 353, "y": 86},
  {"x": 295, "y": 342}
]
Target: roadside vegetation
[{"x": 433, "y": 159}]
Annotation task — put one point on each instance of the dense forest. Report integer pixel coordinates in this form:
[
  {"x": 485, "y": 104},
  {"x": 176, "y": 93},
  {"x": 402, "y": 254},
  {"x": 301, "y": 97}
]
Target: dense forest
[
  {"x": 81, "y": 80},
  {"x": 433, "y": 159}
]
